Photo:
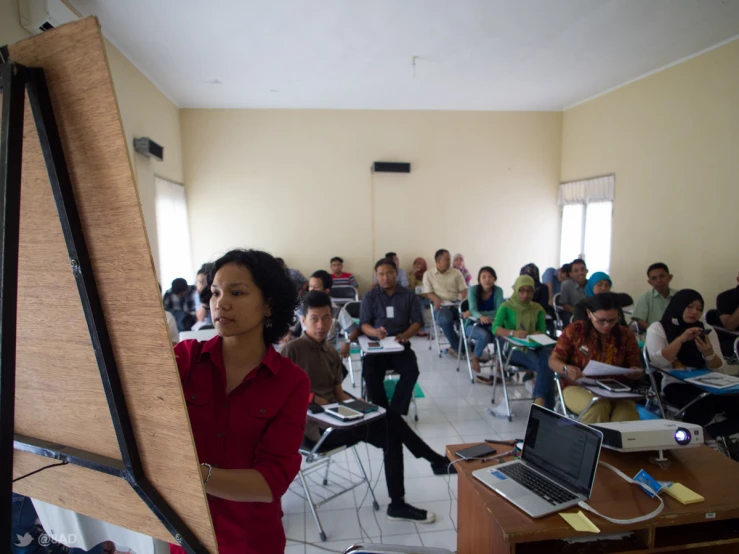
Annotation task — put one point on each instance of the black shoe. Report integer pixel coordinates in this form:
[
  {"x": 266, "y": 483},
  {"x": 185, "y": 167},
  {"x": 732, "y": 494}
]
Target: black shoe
[
  {"x": 406, "y": 512},
  {"x": 442, "y": 467}
]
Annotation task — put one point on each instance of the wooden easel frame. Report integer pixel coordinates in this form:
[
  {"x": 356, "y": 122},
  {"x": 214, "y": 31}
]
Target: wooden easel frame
[{"x": 15, "y": 81}]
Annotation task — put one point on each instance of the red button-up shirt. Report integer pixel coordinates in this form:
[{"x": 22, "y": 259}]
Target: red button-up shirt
[{"x": 259, "y": 425}]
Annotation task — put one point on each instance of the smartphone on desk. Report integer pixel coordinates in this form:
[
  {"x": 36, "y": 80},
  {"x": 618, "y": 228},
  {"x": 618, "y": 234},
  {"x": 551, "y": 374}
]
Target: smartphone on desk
[
  {"x": 374, "y": 345},
  {"x": 476, "y": 452},
  {"x": 343, "y": 413}
]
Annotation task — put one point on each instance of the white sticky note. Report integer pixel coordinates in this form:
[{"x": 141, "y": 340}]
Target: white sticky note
[{"x": 390, "y": 312}]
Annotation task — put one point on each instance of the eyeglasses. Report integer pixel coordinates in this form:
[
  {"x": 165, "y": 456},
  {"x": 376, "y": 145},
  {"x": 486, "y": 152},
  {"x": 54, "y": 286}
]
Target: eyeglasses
[{"x": 604, "y": 321}]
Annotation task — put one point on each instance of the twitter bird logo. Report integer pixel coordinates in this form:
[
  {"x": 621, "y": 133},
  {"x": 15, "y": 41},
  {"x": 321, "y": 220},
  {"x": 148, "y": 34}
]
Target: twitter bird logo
[{"x": 25, "y": 540}]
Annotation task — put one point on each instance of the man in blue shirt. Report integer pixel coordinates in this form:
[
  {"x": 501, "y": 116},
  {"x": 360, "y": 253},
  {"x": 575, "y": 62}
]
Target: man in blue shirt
[{"x": 390, "y": 310}]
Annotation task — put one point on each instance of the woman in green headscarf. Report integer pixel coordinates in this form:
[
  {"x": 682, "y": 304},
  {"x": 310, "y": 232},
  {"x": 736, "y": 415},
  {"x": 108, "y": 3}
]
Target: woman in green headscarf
[{"x": 519, "y": 317}]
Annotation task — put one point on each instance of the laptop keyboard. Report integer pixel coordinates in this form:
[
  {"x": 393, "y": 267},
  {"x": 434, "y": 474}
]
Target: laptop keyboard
[{"x": 554, "y": 494}]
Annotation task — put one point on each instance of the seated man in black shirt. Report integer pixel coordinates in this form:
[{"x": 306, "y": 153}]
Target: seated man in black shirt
[
  {"x": 323, "y": 365},
  {"x": 390, "y": 310}
]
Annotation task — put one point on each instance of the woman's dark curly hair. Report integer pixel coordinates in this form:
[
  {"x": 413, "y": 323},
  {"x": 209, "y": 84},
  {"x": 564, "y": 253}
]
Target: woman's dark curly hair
[{"x": 272, "y": 279}]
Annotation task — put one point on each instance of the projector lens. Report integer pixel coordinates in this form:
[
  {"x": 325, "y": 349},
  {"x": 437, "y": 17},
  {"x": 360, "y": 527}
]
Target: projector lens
[{"x": 682, "y": 436}]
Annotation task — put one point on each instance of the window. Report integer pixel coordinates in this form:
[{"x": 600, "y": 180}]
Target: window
[
  {"x": 587, "y": 211},
  {"x": 173, "y": 233}
]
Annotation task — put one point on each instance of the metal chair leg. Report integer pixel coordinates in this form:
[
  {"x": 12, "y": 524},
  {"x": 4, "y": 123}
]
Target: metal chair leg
[
  {"x": 321, "y": 532},
  {"x": 505, "y": 388},
  {"x": 681, "y": 413},
  {"x": 657, "y": 394},
  {"x": 436, "y": 332},
  {"x": 325, "y": 475},
  {"x": 561, "y": 396},
  {"x": 459, "y": 349},
  {"x": 585, "y": 410},
  {"x": 375, "y": 504},
  {"x": 351, "y": 368},
  {"x": 467, "y": 353}
]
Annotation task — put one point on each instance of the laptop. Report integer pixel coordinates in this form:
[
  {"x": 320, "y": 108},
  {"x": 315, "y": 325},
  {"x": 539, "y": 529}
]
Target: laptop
[{"x": 556, "y": 469}]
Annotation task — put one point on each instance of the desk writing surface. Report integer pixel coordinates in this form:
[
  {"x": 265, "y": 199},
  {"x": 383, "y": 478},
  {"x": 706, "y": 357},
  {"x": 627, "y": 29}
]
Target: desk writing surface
[
  {"x": 701, "y": 469},
  {"x": 323, "y": 420}
]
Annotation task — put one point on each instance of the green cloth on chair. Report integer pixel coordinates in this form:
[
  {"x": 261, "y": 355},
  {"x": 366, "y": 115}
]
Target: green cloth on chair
[{"x": 391, "y": 382}]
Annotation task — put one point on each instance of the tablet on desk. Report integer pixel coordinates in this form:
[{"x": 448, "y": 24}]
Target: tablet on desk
[
  {"x": 360, "y": 406},
  {"x": 344, "y": 413},
  {"x": 613, "y": 385}
]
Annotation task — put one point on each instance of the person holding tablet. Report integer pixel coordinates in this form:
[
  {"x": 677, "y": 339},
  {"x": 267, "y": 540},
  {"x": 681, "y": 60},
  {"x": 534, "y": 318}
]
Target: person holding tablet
[
  {"x": 247, "y": 404},
  {"x": 323, "y": 365},
  {"x": 601, "y": 338}
]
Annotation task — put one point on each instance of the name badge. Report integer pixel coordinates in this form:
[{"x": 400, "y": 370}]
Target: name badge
[
  {"x": 584, "y": 350},
  {"x": 390, "y": 312}
]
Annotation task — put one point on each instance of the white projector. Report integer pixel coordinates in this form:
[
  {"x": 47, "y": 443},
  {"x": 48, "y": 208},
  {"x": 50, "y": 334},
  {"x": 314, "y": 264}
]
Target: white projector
[{"x": 650, "y": 434}]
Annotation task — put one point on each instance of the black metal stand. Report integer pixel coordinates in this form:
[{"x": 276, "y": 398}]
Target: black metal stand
[{"x": 14, "y": 82}]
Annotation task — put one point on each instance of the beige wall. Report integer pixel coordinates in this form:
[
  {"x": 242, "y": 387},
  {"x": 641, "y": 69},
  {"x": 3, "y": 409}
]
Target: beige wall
[
  {"x": 145, "y": 111},
  {"x": 672, "y": 140},
  {"x": 298, "y": 184}
]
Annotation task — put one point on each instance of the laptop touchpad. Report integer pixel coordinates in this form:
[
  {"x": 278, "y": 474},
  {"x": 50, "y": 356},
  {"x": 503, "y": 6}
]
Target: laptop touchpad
[{"x": 513, "y": 490}]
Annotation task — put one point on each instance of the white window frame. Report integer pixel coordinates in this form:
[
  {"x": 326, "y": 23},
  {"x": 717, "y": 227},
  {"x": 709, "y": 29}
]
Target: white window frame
[
  {"x": 592, "y": 190},
  {"x": 184, "y": 242}
]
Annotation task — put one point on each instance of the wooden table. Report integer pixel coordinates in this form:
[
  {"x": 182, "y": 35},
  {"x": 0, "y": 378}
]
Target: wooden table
[{"x": 489, "y": 523}]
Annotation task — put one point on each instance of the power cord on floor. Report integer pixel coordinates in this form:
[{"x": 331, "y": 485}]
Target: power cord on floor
[{"x": 449, "y": 491}]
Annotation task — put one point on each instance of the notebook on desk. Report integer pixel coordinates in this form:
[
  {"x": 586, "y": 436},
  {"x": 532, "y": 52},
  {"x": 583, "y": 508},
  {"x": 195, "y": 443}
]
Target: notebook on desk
[{"x": 556, "y": 469}]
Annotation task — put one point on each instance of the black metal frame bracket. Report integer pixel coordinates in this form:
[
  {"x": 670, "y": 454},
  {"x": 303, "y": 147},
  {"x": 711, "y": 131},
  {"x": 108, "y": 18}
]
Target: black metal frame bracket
[{"x": 15, "y": 81}]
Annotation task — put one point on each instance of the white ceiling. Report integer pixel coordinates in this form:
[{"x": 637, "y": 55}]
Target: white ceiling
[{"x": 347, "y": 54}]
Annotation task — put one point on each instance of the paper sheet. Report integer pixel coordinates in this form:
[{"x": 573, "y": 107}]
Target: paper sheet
[
  {"x": 580, "y": 522},
  {"x": 522, "y": 342},
  {"x": 598, "y": 369},
  {"x": 542, "y": 339},
  {"x": 715, "y": 380},
  {"x": 388, "y": 345}
]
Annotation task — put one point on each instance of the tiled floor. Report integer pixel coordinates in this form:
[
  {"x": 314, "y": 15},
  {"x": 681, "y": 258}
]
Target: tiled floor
[{"x": 454, "y": 411}]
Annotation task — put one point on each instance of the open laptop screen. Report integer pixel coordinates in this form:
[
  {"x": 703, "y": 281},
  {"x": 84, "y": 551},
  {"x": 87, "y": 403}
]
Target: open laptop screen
[{"x": 562, "y": 449}]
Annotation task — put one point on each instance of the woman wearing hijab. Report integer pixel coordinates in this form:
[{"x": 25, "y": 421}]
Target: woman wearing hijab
[
  {"x": 679, "y": 341},
  {"x": 519, "y": 317},
  {"x": 599, "y": 283},
  {"x": 602, "y": 339},
  {"x": 458, "y": 263},
  {"x": 541, "y": 292}
]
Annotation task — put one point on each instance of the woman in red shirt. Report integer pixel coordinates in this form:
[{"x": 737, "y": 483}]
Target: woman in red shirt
[
  {"x": 247, "y": 404},
  {"x": 599, "y": 337}
]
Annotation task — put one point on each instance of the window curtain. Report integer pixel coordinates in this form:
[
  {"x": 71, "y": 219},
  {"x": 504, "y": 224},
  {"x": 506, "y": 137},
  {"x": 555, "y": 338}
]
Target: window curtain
[
  {"x": 173, "y": 233},
  {"x": 597, "y": 189}
]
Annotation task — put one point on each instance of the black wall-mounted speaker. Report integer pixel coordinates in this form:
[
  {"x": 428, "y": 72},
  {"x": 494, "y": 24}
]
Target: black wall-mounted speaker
[
  {"x": 391, "y": 167},
  {"x": 147, "y": 147}
]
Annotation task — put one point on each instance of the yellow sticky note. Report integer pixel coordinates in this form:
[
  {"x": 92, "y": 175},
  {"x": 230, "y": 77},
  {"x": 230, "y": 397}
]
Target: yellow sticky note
[
  {"x": 580, "y": 522},
  {"x": 683, "y": 494}
]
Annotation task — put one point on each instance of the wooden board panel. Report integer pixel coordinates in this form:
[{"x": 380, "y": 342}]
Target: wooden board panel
[{"x": 59, "y": 392}]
